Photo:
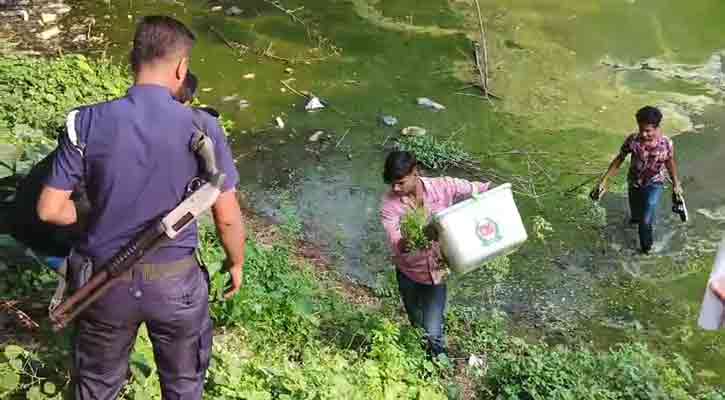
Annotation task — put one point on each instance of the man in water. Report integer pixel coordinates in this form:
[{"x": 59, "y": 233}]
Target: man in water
[
  {"x": 420, "y": 272},
  {"x": 652, "y": 153}
]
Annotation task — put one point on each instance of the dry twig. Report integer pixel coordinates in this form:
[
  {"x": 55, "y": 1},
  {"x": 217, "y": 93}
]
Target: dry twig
[{"x": 9, "y": 306}]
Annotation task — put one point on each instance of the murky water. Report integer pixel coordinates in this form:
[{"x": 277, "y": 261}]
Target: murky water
[{"x": 563, "y": 107}]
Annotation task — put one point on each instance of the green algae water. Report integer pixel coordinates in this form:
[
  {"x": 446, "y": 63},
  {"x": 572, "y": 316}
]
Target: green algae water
[{"x": 571, "y": 75}]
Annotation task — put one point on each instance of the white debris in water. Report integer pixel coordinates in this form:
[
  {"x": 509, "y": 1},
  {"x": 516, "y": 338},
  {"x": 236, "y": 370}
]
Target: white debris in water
[
  {"x": 280, "y": 122},
  {"x": 59, "y": 8},
  {"x": 47, "y": 18},
  {"x": 49, "y": 33},
  {"x": 207, "y": 89},
  {"x": 249, "y": 76},
  {"x": 413, "y": 131},
  {"x": 233, "y": 11},
  {"x": 243, "y": 104},
  {"x": 389, "y": 120},
  {"x": 314, "y": 104},
  {"x": 426, "y": 102},
  {"x": 316, "y": 136}
]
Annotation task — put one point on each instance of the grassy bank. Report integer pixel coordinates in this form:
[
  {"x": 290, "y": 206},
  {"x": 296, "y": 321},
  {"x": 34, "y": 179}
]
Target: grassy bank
[{"x": 288, "y": 336}]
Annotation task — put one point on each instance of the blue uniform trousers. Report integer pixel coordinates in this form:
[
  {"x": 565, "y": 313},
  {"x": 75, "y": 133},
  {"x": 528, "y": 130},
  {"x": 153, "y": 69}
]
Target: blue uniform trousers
[{"x": 176, "y": 313}]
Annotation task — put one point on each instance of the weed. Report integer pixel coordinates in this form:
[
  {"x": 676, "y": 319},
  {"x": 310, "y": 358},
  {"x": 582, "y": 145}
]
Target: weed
[
  {"x": 412, "y": 227},
  {"x": 436, "y": 154}
]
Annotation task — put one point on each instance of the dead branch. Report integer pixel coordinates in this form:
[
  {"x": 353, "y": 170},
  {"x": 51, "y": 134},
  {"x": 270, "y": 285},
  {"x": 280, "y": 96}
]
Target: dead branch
[
  {"x": 293, "y": 90},
  {"x": 289, "y": 12},
  {"x": 9, "y": 307},
  {"x": 482, "y": 65},
  {"x": 238, "y": 47},
  {"x": 342, "y": 138}
]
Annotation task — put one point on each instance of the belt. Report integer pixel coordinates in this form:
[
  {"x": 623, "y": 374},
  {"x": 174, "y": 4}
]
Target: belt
[{"x": 157, "y": 271}]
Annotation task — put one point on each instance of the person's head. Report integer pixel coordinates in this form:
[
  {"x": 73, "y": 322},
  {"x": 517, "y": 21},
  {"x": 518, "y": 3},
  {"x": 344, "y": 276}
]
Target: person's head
[
  {"x": 161, "y": 51},
  {"x": 187, "y": 92},
  {"x": 401, "y": 172},
  {"x": 648, "y": 120}
]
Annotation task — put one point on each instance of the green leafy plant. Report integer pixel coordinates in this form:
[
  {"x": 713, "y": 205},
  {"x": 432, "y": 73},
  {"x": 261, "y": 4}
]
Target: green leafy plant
[
  {"x": 437, "y": 154},
  {"x": 542, "y": 228},
  {"x": 36, "y": 95},
  {"x": 412, "y": 228},
  {"x": 21, "y": 372}
]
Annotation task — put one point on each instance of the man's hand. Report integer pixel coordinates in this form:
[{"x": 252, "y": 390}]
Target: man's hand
[
  {"x": 229, "y": 223},
  {"x": 598, "y": 191},
  {"x": 237, "y": 274},
  {"x": 431, "y": 232},
  {"x": 718, "y": 287},
  {"x": 403, "y": 246},
  {"x": 677, "y": 189}
]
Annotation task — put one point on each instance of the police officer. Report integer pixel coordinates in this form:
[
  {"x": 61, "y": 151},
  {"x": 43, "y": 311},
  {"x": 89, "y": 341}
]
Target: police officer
[{"x": 134, "y": 155}]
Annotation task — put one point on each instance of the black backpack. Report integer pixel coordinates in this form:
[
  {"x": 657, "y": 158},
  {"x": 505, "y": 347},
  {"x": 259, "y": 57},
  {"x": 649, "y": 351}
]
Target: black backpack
[{"x": 28, "y": 229}]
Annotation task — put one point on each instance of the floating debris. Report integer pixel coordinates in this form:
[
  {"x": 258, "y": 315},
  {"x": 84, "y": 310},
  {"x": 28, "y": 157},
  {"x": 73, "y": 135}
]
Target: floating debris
[
  {"x": 316, "y": 136},
  {"x": 426, "y": 102},
  {"x": 280, "y": 122},
  {"x": 413, "y": 131},
  {"x": 389, "y": 120},
  {"x": 227, "y": 99},
  {"x": 314, "y": 104},
  {"x": 243, "y": 104},
  {"x": 59, "y": 8},
  {"x": 216, "y": 8},
  {"x": 49, "y": 33},
  {"x": 233, "y": 11},
  {"x": 47, "y": 18},
  {"x": 207, "y": 89},
  {"x": 249, "y": 76},
  {"x": 289, "y": 70}
]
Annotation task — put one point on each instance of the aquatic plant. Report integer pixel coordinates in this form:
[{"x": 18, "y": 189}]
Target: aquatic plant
[
  {"x": 437, "y": 154},
  {"x": 412, "y": 227}
]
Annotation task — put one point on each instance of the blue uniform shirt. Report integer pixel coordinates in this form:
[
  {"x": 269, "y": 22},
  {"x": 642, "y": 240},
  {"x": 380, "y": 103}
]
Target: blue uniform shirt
[{"x": 135, "y": 158}]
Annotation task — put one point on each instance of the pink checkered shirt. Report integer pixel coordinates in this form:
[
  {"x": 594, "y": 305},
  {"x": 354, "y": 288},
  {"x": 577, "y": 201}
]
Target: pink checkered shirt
[{"x": 438, "y": 194}]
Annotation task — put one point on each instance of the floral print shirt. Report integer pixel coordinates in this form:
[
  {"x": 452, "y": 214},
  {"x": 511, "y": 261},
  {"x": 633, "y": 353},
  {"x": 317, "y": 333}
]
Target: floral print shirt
[{"x": 648, "y": 162}]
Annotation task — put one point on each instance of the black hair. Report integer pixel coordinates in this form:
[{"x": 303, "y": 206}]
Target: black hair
[
  {"x": 398, "y": 164},
  {"x": 188, "y": 89},
  {"x": 158, "y": 37},
  {"x": 649, "y": 115}
]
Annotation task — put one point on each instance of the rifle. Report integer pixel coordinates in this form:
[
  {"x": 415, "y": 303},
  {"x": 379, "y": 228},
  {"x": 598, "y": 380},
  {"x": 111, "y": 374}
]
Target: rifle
[{"x": 152, "y": 238}]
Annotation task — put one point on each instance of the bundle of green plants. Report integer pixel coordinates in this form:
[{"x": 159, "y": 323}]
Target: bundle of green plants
[
  {"x": 437, "y": 154},
  {"x": 412, "y": 227}
]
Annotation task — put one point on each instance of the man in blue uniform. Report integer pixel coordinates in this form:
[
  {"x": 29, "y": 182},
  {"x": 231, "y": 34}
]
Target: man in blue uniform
[{"x": 135, "y": 158}]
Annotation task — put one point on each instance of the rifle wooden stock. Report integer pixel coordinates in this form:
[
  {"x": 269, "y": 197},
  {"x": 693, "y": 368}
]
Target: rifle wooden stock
[{"x": 106, "y": 276}]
